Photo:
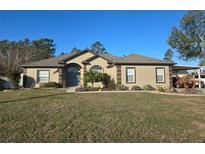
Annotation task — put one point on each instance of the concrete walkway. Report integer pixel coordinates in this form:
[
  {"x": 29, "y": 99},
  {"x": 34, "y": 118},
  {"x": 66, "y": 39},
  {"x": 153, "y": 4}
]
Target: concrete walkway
[
  {"x": 142, "y": 91},
  {"x": 71, "y": 89}
]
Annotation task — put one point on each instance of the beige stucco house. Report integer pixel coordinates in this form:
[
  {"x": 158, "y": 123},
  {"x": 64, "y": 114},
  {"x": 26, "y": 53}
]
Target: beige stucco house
[{"x": 69, "y": 69}]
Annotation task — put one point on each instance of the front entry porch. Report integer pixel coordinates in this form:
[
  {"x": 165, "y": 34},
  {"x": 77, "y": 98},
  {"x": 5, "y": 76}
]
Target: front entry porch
[{"x": 72, "y": 75}]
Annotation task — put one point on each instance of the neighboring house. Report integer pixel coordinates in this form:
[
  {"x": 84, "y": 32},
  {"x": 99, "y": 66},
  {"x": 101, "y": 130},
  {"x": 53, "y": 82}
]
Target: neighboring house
[{"x": 69, "y": 69}]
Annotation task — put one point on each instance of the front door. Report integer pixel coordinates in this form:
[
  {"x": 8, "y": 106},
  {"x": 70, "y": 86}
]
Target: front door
[{"x": 73, "y": 76}]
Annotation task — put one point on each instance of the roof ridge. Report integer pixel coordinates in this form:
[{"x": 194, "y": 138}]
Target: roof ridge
[{"x": 136, "y": 54}]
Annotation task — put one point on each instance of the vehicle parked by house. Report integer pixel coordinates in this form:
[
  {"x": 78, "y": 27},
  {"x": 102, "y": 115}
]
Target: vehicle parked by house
[
  {"x": 202, "y": 80},
  {"x": 5, "y": 83}
]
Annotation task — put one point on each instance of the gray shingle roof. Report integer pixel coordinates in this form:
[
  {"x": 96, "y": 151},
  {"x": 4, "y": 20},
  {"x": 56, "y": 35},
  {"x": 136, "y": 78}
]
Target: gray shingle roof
[
  {"x": 50, "y": 62},
  {"x": 135, "y": 59},
  {"x": 140, "y": 59},
  {"x": 130, "y": 59}
]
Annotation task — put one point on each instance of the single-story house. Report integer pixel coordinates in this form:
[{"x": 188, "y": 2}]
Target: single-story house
[{"x": 69, "y": 69}]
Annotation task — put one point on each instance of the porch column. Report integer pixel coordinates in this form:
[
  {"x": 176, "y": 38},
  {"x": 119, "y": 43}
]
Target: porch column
[
  {"x": 118, "y": 74},
  {"x": 170, "y": 77},
  {"x": 199, "y": 77},
  {"x": 62, "y": 77}
]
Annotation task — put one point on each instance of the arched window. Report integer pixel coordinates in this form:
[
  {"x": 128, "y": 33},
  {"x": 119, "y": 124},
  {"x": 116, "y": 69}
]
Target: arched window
[{"x": 97, "y": 69}]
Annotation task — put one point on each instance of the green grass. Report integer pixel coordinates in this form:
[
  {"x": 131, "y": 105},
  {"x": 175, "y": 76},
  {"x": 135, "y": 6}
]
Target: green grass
[{"x": 53, "y": 116}]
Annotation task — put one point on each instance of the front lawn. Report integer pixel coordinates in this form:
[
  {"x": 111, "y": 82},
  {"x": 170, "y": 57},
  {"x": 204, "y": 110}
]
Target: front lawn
[{"x": 54, "y": 116}]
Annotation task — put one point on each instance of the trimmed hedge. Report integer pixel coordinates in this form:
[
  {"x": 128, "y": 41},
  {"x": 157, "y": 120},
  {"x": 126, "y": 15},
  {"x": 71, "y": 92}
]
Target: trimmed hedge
[
  {"x": 149, "y": 87},
  {"x": 136, "y": 88},
  {"x": 50, "y": 85},
  {"x": 160, "y": 89},
  {"x": 122, "y": 87},
  {"x": 81, "y": 89}
]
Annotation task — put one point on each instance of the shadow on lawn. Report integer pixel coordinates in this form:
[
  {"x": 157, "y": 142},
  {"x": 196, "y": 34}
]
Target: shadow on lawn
[{"x": 30, "y": 98}]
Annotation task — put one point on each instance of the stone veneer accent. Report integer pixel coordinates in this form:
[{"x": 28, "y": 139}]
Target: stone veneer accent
[
  {"x": 60, "y": 79},
  {"x": 119, "y": 80},
  {"x": 84, "y": 71},
  {"x": 170, "y": 76}
]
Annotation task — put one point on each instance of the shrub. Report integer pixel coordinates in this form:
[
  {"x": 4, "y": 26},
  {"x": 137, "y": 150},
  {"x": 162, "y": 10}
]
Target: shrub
[
  {"x": 136, "y": 88},
  {"x": 160, "y": 89},
  {"x": 105, "y": 78},
  {"x": 106, "y": 89},
  {"x": 14, "y": 77},
  {"x": 148, "y": 87},
  {"x": 94, "y": 89},
  {"x": 50, "y": 85},
  {"x": 112, "y": 85},
  {"x": 98, "y": 77},
  {"x": 89, "y": 77},
  {"x": 122, "y": 87},
  {"x": 81, "y": 89}
]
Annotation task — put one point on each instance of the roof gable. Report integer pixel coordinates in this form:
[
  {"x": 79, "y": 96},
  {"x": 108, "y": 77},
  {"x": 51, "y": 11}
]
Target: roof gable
[
  {"x": 87, "y": 61},
  {"x": 75, "y": 55}
]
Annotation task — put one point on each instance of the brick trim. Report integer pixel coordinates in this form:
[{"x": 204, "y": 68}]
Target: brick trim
[
  {"x": 84, "y": 71},
  {"x": 170, "y": 77}
]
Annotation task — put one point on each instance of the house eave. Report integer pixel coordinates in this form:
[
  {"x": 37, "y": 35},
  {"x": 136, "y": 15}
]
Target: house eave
[
  {"x": 127, "y": 63},
  {"x": 42, "y": 66}
]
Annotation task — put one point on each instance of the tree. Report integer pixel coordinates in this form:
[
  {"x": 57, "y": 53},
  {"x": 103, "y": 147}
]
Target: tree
[
  {"x": 11, "y": 57},
  {"x": 45, "y": 48},
  {"x": 14, "y": 77},
  {"x": 168, "y": 55},
  {"x": 4, "y": 46},
  {"x": 98, "y": 47},
  {"x": 75, "y": 50},
  {"x": 90, "y": 77},
  {"x": 15, "y": 53},
  {"x": 202, "y": 62},
  {"x": 189, "y": 39},
  {"x": 62, "y": 53}
]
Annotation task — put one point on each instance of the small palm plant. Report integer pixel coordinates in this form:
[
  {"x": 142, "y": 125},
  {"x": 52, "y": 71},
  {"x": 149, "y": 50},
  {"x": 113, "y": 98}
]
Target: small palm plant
[
  {"x": 89, "y": 77},
  {"x": 92, "y": 77}
]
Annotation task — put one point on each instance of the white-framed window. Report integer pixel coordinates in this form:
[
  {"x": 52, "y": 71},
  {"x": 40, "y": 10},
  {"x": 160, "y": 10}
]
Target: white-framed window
[
  {"x": 97, "y": 69},
  {"x": 160, "y": 75},
  {"x": 130, "y": 75},
  {"x": 43, "y": 76}
]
